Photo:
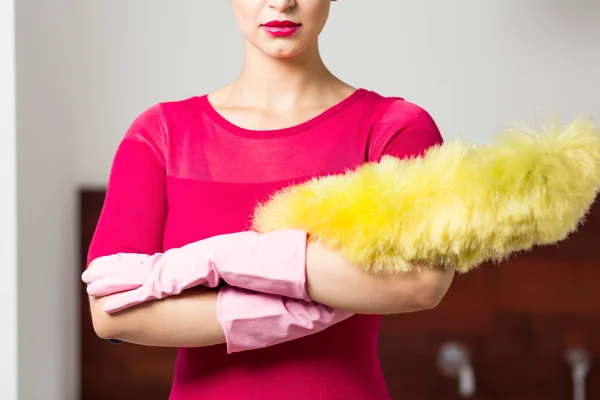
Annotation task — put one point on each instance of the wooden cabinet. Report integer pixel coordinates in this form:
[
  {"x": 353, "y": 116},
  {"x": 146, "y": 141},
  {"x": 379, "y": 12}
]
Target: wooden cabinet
[
  {"x": 517, "y": 319},
  {"x": 111, "y": 371}
]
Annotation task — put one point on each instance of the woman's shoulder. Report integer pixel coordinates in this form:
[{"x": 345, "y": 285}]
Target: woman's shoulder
[
  {"x": 401, "y": 123},
  {"x": 397, "y": 111},
  {"x": 180, "y": 108},
  {"x": 157, "y": 125},
  {"x": 160, "y": 117}
]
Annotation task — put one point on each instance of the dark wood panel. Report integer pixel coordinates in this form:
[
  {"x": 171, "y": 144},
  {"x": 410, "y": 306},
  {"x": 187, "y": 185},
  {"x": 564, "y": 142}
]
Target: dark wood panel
[
  {"x": 111, "y": 371},
  {"x": 550, "y": 285},
  {"x": 467, "y": 307},
  {"x": 521, "y": 357}
]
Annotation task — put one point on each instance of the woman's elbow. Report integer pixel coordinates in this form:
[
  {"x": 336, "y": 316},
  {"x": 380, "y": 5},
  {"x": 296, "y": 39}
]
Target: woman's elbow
[
  {"x": 424, "y": 290},
  {"x": 104, "y": 330},
  {"x": 434, "y": 285},
  {"x": 105, "y": 326}
]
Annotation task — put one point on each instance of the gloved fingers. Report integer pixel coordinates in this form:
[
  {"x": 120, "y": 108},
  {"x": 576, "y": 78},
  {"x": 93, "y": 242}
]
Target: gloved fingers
[
  {"x": 116, "y": 283},
  {"x": 113, "y": 264},
  {"x": 124, "y": 300}
]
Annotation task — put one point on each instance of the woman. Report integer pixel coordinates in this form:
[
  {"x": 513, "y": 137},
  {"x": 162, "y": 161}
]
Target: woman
[{"x": 182, "y": 189}]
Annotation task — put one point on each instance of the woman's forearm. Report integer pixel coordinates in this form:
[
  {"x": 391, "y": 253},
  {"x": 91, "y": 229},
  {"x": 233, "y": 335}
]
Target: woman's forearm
[
  {"x": 187, "y": 320},
  {"x": 190, "y": 319},
  {"x": 333, "y": 281}
]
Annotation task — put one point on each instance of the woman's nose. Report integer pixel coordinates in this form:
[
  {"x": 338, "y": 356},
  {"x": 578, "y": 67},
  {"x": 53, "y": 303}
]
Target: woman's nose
[{"x": 282, "y": 5}]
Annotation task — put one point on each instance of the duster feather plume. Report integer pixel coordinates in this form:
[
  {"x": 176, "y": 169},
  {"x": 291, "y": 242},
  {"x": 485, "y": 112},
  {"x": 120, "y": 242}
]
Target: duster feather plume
[{"x": 457, "y": 206}]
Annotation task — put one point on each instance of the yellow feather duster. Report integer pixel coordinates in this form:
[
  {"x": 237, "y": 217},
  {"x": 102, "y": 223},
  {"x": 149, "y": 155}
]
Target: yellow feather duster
[{"x": 457, "y": 206}]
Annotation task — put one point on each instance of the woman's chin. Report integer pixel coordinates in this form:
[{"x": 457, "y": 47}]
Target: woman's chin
[
  {"x": 283, "y": 53},
  {"x": 283, "y": 49}
]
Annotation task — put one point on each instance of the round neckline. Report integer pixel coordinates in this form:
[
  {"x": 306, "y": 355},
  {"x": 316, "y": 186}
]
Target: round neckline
[{"x": 291, "y": 130}]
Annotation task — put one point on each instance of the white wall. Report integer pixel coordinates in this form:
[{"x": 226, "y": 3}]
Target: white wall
[
  {"x": 475, "y": 65},
  {"x": 47, "y": 238},
  {"x": 85, "y": 69},
  {"x": 8, "y": 205}
]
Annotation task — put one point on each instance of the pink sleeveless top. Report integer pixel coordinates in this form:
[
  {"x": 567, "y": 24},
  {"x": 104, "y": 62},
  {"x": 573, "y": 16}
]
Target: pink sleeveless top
[{"x": 183, "y": 173}]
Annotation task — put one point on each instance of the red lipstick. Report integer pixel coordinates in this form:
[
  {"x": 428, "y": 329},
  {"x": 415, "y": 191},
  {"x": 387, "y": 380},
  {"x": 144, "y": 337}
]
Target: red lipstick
[{"x": 281, "y": 28}]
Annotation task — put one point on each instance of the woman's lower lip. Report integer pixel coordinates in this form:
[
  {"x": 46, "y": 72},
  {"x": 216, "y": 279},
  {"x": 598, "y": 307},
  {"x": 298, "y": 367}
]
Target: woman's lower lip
[{"x": 281, "y": 31}]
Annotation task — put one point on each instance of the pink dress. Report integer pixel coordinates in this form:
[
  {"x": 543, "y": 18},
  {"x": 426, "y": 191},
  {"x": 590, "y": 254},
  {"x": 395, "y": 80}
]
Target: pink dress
[{"x": 184, "y": 173}]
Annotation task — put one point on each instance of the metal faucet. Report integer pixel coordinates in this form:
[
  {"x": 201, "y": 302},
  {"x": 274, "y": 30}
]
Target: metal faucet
[
  {"x": 454, "y": 362},
  {"x": 580, "y": 362}
]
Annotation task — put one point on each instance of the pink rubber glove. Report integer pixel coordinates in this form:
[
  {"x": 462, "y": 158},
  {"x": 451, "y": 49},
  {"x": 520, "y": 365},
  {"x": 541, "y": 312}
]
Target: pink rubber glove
[
  {"x": 253, "y": 320},
  {"x": 273, "y": 263}
]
